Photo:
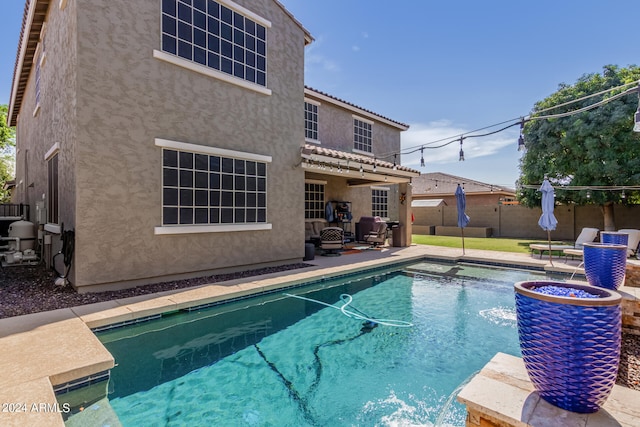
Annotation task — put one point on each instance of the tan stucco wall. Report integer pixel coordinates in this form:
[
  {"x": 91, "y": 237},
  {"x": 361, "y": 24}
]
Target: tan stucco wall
[
  {"x": 126, "y": 99},
  {"x": 54, "y": 122},
  {"x": 335, "y": 130}
]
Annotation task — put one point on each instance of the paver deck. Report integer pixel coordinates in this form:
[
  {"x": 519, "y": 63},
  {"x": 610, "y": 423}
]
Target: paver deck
[{"x": 52, "y": 348}]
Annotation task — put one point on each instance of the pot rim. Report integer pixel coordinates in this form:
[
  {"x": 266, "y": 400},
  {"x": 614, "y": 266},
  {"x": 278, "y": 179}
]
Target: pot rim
[
  {"x": 606, "y": 245},
  {"x": 607, "y": 296}
]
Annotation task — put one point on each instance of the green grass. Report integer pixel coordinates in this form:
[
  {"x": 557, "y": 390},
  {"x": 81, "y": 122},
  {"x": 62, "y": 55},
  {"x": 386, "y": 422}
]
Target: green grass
[{"x": 489, "y": 244}]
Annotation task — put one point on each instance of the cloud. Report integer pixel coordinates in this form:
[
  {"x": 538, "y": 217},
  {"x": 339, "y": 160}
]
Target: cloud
[
  {"x": 446, "y": 132},
  {"x": 355, "y": 48},
  {"x": 314, "y": 60}
]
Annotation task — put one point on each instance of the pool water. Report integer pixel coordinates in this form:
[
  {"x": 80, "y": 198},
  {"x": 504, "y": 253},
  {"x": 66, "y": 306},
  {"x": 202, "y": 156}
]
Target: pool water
[{"x": 277, "y": 360}]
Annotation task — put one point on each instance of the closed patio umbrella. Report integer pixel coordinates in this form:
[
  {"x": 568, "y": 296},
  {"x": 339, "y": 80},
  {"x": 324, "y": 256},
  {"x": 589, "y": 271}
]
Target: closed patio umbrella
[
  {"x": 463, "y": 218},
  {"x": 547, "y": 220}
]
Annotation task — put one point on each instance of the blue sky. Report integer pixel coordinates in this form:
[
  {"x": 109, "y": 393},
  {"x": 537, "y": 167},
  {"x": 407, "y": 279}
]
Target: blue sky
[{"x": 444, "y": 67}]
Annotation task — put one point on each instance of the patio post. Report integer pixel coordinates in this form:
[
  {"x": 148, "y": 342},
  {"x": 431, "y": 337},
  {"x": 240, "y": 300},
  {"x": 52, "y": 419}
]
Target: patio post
[{"x": 405, "y": 214}]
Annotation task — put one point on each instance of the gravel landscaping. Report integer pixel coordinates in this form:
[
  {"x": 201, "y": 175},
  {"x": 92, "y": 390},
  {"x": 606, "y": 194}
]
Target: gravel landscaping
[{"x": 31, "y": 289}]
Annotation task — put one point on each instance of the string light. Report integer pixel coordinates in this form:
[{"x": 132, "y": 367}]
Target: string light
[
  {"x": 521, "y": 146},
  {"x": 375, "y": 168},
  {"x": 461, "y": 152},
  {"x": 422, "y": 156}
]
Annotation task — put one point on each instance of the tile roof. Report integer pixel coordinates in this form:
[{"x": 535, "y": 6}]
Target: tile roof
[
  {"x": 438, "y": 183},
  {"x": 352, "y": 157},
  {"x": 356, "y": 107}
]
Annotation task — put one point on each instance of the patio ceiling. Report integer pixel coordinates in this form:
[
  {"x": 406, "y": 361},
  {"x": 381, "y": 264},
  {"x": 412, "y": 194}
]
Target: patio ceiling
[{"x": 360, "y": 170}]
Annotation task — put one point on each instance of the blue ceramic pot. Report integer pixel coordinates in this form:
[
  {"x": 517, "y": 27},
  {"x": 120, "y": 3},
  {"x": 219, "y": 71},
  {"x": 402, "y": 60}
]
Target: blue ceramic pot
[
  {"x": 605, "y": 264},
  {"x": 614, "y": 237},
  {"x": 570, "y": 346}
]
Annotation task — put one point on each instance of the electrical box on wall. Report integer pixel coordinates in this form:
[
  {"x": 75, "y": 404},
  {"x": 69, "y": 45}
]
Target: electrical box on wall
[{"x": 41, "y": 212}]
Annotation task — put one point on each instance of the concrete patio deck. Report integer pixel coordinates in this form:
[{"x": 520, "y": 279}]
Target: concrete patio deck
[{"x": 52, "y": 348}]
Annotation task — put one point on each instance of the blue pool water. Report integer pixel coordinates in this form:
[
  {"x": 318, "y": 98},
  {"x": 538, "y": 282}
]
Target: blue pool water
[{"x": 276, "y": 360}]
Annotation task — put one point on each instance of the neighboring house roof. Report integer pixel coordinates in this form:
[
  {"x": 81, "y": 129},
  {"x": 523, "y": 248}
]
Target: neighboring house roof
[
  {"x": 440, "y": 184},
  {"x": 309, "y": 91},
  {"x": 35, "y": 12},
  {"x": 428, "y": 203}
]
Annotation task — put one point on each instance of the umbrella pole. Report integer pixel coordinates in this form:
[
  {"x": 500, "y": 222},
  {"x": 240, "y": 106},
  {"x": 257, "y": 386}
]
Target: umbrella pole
[
  {"x": 462, "y": 234},
  {"x": 549, "y": 239}
]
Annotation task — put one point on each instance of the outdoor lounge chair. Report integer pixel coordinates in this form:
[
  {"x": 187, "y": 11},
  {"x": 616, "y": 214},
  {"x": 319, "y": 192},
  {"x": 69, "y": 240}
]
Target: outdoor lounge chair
[
  {"x": 587, "y": 235},
  {"x": 632, "y": 244},
  {"x": 378, "y": 235},
  {"x": 634, "y": 240},
  {"x": 331, "y": 240}
]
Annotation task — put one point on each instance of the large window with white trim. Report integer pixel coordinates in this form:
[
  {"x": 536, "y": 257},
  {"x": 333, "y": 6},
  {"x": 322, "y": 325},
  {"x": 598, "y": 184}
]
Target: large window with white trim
[
  {"x": 380, "y": 202},
  {"x": 313, "y": 200},
  {"x": 361, "y": 135},
  {"x": 310, "y": 121},
  {"x": 211, "y": 34},
  {"x": 206, "y": 189}
]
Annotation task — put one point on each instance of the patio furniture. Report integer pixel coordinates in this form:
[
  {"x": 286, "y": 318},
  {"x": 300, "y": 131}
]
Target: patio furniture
[
  {"x": 587, "y": 235},
  {"x": 312, "y": 230},
  {"x": 331, "y": 240},
  {"x": 634, "y": 240},
  {"x": 365, "y": 225},
  {"x": 377, "y": 236}
]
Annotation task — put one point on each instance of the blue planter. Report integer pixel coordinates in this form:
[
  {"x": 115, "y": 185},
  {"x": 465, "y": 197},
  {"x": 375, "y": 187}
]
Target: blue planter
[
  {"x": 614, "y": 237},
  {"x": 605, "y": 264},
  {"x": 570, "y": 346}
]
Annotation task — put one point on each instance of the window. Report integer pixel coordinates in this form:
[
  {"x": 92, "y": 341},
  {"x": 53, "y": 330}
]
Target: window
[
  {"x": 361, "y": 135},
  {"x": 311, "y": 121},
  {"x": 380, "y": 202},
  {"x": 206, "y": 189},
  {"x": 313, "y": 200},
  {"x": 52, "y": 183},
  {"x": 213, "y": 35}
]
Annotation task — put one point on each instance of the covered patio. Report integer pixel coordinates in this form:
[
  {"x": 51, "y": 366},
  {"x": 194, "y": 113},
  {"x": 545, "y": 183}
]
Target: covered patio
[{"x": 365, "y": 185}]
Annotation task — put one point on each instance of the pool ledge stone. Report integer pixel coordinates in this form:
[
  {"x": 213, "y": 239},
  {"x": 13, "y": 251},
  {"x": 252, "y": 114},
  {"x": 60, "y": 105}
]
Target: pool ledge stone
[{"x": 502, "y": 395}]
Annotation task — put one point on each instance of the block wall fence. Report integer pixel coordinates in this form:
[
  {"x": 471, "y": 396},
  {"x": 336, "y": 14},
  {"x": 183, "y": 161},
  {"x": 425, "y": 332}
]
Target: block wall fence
[{"x": 521, "y": 222}]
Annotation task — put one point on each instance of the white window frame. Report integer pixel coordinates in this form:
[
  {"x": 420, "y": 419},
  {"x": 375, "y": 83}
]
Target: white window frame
[
  {"x": 376, "y": 205},
  {"x": 53, "y": 227},
  {"x": 367, "y": 140},
  {"x": 313, "y": 120},
  {"x": 212, "y": 71},
  {"x": 217, "y": 227},
  {"x": 319, "y": 204}
]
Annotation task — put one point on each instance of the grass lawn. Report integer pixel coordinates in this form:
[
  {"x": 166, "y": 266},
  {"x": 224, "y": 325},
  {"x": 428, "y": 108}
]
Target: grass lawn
[{"x": 486, "y": 243}]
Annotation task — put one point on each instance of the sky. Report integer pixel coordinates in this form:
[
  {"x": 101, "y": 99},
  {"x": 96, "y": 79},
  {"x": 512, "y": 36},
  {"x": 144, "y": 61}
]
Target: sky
[{"x": 444, "y": 67}]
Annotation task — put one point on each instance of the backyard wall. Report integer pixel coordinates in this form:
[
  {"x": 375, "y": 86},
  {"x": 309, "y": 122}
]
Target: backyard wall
[{"x": 522, "y": 222}]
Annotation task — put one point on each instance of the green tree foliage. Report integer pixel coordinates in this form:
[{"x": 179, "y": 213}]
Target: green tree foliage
[
  {"x": 7, "y": 153},
  {"x": 593, "y": 148}
]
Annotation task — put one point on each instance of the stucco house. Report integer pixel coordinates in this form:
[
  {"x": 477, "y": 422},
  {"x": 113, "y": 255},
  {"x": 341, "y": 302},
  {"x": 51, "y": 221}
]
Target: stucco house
[{"x": 170, "y": 136}]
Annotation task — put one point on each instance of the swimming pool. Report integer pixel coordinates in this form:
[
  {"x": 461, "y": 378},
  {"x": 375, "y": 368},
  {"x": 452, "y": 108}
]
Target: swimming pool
[{"x": 281, "y": 360}]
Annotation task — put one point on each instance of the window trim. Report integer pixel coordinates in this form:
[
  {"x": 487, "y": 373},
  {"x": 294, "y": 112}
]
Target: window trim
[
  {"x": 209, "y": 72},
  {"x": 218, "y": 74},
  {"x": 317, "y": 122},
  {"x": 54, "y": 151},
  {"x": 170, "y": 229},
  {"x": 370, "y": 123},
  {"x": 386, "y": 190}
]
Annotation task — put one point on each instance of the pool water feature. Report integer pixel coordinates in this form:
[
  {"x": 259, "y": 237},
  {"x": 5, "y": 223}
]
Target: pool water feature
[{"x": 282, "y": 360}]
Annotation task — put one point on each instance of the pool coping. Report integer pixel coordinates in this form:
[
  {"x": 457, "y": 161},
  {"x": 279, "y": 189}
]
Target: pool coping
[{"x": 48, "y": 349}]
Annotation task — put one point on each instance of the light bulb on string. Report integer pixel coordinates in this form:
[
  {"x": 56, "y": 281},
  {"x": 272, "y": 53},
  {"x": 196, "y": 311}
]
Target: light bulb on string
[
  {"x": 422, "y": 156},
  {"x": 521, "y": 145},
  {"x": 395, "y": 166},
  {"x": 461, "y": 152}
]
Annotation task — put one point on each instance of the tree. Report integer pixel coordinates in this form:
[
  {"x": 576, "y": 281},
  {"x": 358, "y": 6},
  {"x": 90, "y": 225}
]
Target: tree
[
  {"x": 592, "y": 148},
  {"x": 7, "y": 153}
]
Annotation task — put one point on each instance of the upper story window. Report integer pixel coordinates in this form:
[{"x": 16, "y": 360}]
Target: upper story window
[
  {"x": 211, "y": 34},
  {"x": 361, "y": 135},
  {"x": 311, "y": 121}
]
